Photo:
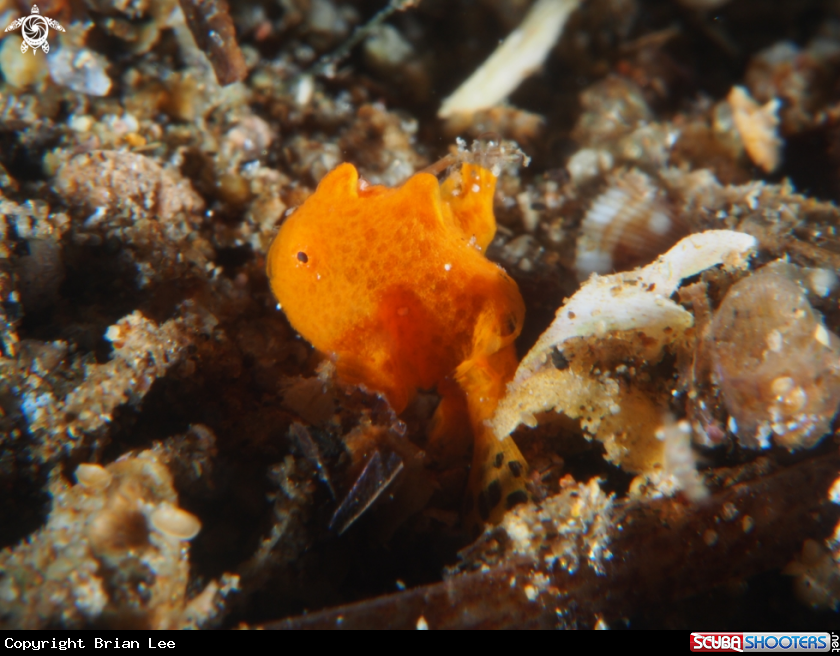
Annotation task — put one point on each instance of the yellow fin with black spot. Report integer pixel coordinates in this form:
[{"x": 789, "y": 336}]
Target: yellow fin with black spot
[{"x": 499, "y": 472}]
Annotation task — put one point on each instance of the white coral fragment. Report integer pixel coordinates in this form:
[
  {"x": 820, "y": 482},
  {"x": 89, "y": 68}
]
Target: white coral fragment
[
  {"x": 757, "y": 126},
  {"x": 625, "y": 316},
  {"x": 518, "y": 56},
  {"x": 639, "y": 298}
]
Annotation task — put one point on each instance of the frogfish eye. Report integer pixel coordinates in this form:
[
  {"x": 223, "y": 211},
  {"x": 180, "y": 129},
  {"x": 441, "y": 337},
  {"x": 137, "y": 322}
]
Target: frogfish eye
[{"x": 302, "y": 257}]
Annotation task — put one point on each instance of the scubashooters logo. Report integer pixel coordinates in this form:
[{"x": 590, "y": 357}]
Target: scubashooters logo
[
  {"x": 35, "y": 29},
  {"x": 753, "y": 642}
]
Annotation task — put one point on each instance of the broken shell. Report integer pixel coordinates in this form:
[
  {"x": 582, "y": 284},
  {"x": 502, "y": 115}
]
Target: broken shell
[
  {"x": 628, "y": 225},
  {"x": 777, "y": 364},
  {"x": 174, "y": 522},
  {"x": 93, "y": 476},
  {"x": 606, "y": 314},
  {"x": 757, "y": 126}
]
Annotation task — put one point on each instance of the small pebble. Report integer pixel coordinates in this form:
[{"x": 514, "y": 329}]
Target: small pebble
[
  {"x": 19, "y": 69},
  {"x": 174, "y": 522},
  {"x": 93, "y": 476}
]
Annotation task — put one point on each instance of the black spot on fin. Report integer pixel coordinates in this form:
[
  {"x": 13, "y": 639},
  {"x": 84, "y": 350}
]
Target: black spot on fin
[
  {"x": 494, "y": 493},
  {"x": 515, "y": 498}
]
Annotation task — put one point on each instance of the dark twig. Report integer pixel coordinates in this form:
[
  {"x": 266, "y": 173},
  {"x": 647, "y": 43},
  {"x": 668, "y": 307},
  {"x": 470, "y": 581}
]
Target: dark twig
[
  {"x": 212, "y": 27},
  {"x": 665, "y": 551}
]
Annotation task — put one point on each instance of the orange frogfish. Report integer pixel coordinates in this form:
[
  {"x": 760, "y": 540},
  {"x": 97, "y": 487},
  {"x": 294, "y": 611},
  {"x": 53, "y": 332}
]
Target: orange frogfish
[{"x": 394, "y": 285}]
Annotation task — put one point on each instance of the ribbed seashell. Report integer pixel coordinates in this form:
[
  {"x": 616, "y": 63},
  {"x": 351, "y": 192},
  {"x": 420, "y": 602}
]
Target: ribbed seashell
[
  {"x": 628, "y": 225},
  {"x": 174, "y": 522},
  {"x": 95, "y": 477}
]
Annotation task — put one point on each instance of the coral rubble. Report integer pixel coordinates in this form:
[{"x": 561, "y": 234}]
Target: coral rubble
[{"x": 112, "y": 550}]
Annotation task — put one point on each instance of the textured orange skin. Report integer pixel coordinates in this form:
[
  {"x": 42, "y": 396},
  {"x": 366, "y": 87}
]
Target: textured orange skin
[{"x": 394, "y": 284}]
